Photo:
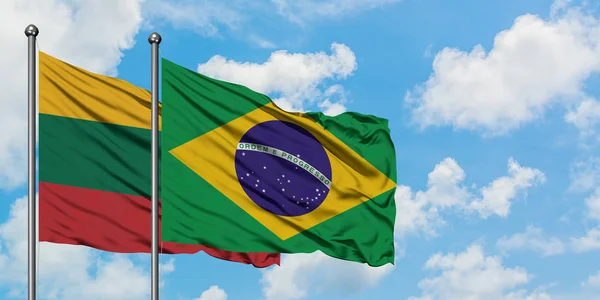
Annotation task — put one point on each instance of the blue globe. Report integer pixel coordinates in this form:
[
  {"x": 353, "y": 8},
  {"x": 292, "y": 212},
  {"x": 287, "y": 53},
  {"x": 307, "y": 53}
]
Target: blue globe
[{"x": 283, "y": 168}]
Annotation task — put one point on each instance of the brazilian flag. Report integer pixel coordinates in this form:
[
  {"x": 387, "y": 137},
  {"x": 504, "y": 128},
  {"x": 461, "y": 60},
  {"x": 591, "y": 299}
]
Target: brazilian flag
[{"x": 240, "y": 174}]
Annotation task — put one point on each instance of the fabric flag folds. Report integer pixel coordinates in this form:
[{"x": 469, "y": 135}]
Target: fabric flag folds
[
  {"x": 94, "y": 165},
  {"x": 241, "y": 174}
]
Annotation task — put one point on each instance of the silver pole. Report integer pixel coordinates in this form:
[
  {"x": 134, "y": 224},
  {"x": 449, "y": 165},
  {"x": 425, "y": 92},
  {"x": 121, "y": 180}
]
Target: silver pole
[
  {"x": 154, "y": 40},
  {"x": 31, "y": 32}
]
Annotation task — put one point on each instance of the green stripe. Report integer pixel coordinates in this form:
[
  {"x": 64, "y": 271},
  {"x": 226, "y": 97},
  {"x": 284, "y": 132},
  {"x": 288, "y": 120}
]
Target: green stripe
[
  {"x": 94, "y": 155},
  {"x": 201, "y": 103}
]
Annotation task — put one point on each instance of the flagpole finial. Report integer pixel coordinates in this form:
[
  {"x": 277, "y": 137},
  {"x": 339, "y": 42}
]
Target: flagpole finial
[
  {"x": 154, "y": 38},
  {"x": 31, "y": 30}
]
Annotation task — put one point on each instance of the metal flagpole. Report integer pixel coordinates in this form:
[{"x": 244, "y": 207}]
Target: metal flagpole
[
  {"x": 154, "y": 39},
  {"x": 31, "y": 32}
]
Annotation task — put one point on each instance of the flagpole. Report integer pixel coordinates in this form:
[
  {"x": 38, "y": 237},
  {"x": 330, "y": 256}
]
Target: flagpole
[
  {"x": 31, "y": 32},
  {"x": 154, "y": 39}
]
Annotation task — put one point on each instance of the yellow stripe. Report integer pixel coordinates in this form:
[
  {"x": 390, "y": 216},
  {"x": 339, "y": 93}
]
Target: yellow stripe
[
  {"x": 69, "y": 91},
  {"x": 354, "y": 180}
]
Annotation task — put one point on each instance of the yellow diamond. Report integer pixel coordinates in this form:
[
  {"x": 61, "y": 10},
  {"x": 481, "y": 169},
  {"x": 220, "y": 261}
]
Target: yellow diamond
[{"x": 354, "y": 180}]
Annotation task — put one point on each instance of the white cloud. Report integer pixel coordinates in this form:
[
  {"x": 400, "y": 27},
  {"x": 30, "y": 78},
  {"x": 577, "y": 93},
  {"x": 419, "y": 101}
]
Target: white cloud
[
  {"x": 213, "y": 293},
  {"x": 300, "y": 273},
  {"x": 420, "y": 212},
  {"x": 496, "y": 197},
  {"x": 428, "y": 51},
  {"x": 446, "y": 191},
  {"x": 295, "y": 79},
  {"x": 201, "y": 16},
  {"x": 90, "y": 34},
  {"x": 593, "y": 281},
  {"x": 586, "y": 116},
  {"x": 68, "y": 272},
  {"x": 472, "y": 275},
  {"x": 168, "y": 266},
  {"x": 331, "y": 109},
  {"x": 592, "y": 204},
  {"x": 414, "y": 214},
  {"x": 532, "y": 239},
  {"x": 589, "y": 242},
  {"x": 309, "y": 10},
  {"x": 261, "y": 42},
  {"x": 532, "y": 66},
  {"x": 332, "y": 106},
  {"x": 585, "y": 175},
  {"x": 524, "y": 295}
]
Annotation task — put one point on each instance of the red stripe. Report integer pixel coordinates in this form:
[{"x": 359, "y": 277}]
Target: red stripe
[{"x": 114, "y": 222}]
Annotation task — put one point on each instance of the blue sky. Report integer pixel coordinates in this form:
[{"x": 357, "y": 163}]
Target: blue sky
[{"x": 493, "y": 108}]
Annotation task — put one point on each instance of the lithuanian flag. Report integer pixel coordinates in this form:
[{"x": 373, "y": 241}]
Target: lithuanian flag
[
  {"x": 95, "y": 163},
  {"x": 238, "y": 173}
]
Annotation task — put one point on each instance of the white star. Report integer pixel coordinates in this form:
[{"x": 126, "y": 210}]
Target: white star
[
  {"x": 289, "y": 181},
  {"x": 294, "y": 197},
  {"x": 263, "y": 190},
  {"x": 283, "y": 190},
  {"x": 301, "y": 198},
  {"x": 257, "y": 180},
  {"x": 298, "y": 155},
  {"x": 317, "y": 190},
  {"x": 256, "y": 185},
  {"x": 297, "y": 202},
  {"x": 244, "y": 153},
  {"x": 264, "y": 167},
  {"x": 282, "y": 175},
  {"x": 319, "y": 195},
  {"x": 242, "y": 178},
  {"x": 247, "y": 174}
]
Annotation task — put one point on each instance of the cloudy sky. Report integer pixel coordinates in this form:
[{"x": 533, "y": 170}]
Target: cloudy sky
[{"x": 494, "y": 111}]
